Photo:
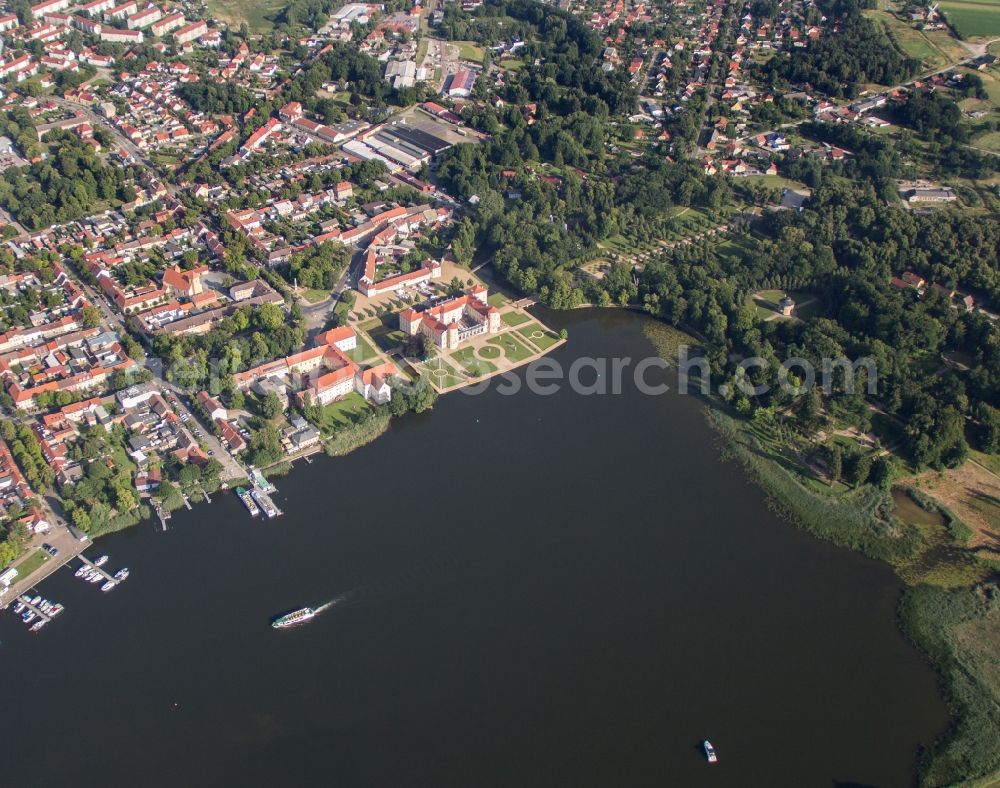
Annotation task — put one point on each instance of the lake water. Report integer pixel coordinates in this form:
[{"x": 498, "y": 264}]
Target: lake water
[{"x": 543, "y": 591}]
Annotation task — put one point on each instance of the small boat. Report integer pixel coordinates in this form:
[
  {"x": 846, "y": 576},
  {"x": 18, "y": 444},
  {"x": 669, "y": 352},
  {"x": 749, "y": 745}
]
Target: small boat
[
  {"x": 95, "y": 578},
  {"x": 709, "y": 751},
  {"x": 37, "y": 625},
  {"x": 121, "y": 574},
  {"x": 101, "y": 561},
  {"x": 28, "y": 617},
  {"x": 109, "y": 585},
  {"x": 57, "y": 608},
  {"x": 36, "y": 601},
  {"x": 19, "y": 608},
  {"x": 82, "y": 570},
  {"x": 248, "y": 502},
  {"x": 299, "y": 616}
]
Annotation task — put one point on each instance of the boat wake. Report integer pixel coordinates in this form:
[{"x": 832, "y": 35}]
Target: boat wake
[{"x": 341, "y": 599}]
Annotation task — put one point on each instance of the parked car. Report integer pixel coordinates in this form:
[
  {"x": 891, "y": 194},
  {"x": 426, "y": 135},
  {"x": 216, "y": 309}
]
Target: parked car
[{"x": 53, "y": 551}]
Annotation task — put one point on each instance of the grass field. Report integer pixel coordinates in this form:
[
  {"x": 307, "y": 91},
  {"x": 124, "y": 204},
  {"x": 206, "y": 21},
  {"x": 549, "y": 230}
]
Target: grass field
[
  {"x": 973, "y": 18},
  {"x": 538, "y": 336},
  {"x": 496, "y": 299},
  {"x": 474, "y": 365},
  {"x": 514, "y": 319},
  {"x": 489, "y": 351},
  {"x": 513, "y": 348},
  {"x": 31, "y": 563},
  {"x": 441, "y": 373},
  {"x": 469, "y": 51},
  {"x": 363, "y": 352},
  {"x": 343, "y": 412},
  {"x": 314, "y": 296},
  {"x": 255, "y": 14},
  {"x": 387, "y": 338}
]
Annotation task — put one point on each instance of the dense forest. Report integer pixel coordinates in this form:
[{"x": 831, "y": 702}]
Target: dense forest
[{"x": 65, "y": 186}]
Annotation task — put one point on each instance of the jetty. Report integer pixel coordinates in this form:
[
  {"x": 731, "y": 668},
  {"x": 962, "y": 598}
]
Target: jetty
[
  {"x": 99, "y": 569},
  {"x": 26, "y": 600}
]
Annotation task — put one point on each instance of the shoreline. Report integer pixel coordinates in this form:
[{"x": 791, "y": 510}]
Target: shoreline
[{"x": 924, "y": 614}]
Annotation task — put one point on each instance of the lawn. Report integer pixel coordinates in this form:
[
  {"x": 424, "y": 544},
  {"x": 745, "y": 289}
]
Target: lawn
[
  {"x": 363, "y": 352},
  {"x": 255, "y": 14},
  {"x": 387, "y": 338},
  {"x": 441, "y": 373},
  {"x": 343, "y": 411},
  {"x": 511, "y": 64},
  {"x": 31, "y": 563},
  {"x": 497, "y": 299},
  {"x": 469, "y": 51},
  {"x": 514, "y": 319},
  {"x": 538, "y": 336},
  {"x": 474, "y": 365},
  {"x": 513, "y": 348},
  {"x": 314, "y": 296},
  {"x": 979, "y": 18}
]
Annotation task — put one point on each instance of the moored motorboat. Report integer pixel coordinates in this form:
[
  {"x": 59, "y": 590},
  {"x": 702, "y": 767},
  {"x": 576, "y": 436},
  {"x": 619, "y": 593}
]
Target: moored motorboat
[
  {"x": 121, "y": 574},
  {"x": 82, "y": 570},
  {"x": 95, "y": 577},
  {"x": 101, "y": 561},
  {"x": 19, "y": 607},
  {"x": 57, "y": 608},
  {"x": 28, "y": 617},
  {"x": 37, "y": 625},
  {"x": 109, "y": 585}
]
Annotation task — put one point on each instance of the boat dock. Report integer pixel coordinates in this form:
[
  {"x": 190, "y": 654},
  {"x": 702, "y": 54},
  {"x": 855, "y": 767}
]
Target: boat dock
[
  {"x": 96, "y": 568},
  {"x": 25, "y": 600},
  {"x": 258, "y": 480}
]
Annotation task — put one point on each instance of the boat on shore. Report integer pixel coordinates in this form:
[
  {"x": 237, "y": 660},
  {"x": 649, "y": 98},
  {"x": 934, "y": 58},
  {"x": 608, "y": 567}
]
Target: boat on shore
[
  {"x": 299, "y": 616},
  {"x": 248, "y": 501},
  {"x": 710, "y": 755}
]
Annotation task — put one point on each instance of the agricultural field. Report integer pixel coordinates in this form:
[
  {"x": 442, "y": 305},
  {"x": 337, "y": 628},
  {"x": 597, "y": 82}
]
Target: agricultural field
[{"x": 973, "y": 18}]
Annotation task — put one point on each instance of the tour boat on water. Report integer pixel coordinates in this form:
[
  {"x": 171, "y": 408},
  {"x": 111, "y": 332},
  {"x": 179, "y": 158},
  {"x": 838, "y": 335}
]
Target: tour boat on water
[
  {"x": 291, "y": 619},
  {"x": 248, "y": 502}
]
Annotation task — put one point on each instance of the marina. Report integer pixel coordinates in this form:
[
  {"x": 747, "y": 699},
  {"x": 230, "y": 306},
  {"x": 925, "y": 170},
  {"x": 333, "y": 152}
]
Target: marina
[
  {"x": 93, "y": 572},
  {"x": 35, "y": 611},
  {"x": 257, "y": 500}
]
